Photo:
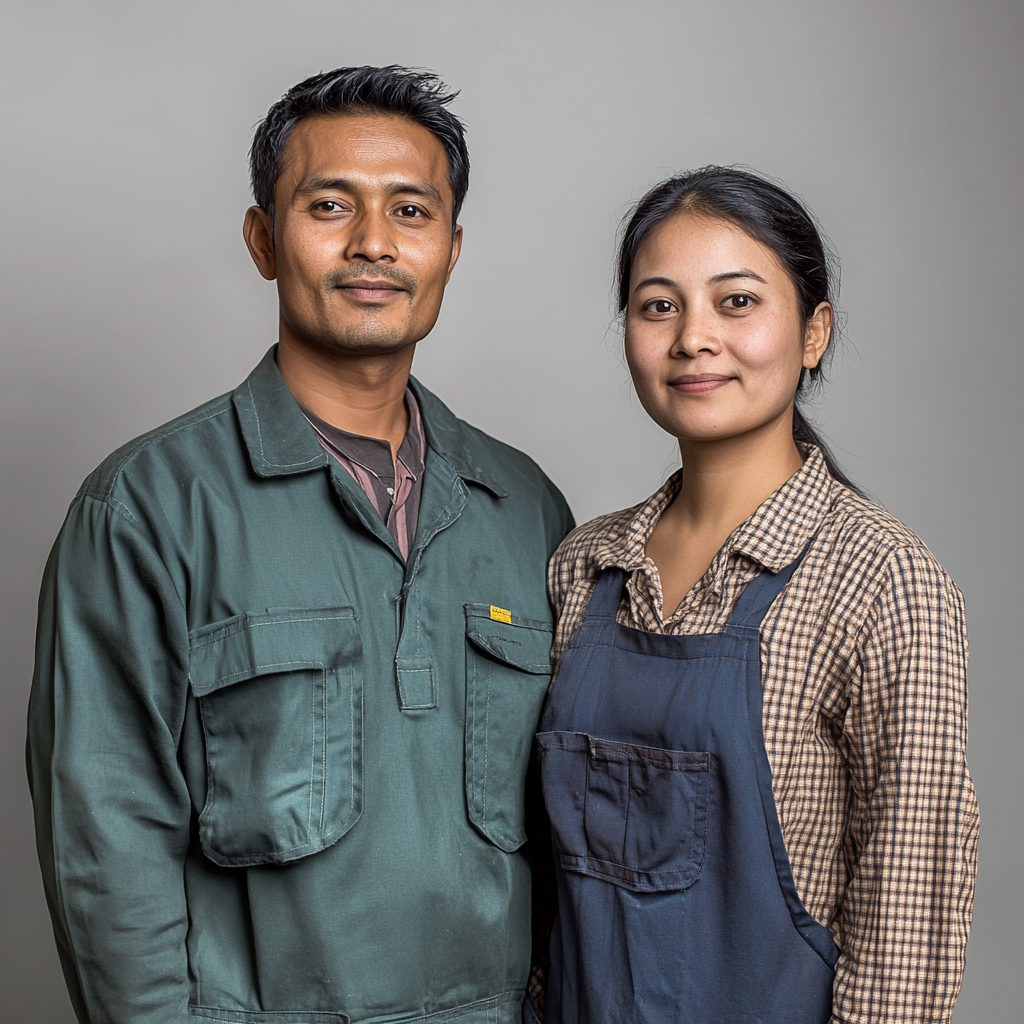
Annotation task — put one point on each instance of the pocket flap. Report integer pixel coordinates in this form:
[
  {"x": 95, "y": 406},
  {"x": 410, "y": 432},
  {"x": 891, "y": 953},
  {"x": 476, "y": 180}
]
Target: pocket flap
[
  {"x": 282, "y": 640},
  {"x": 522, "y": 643}
]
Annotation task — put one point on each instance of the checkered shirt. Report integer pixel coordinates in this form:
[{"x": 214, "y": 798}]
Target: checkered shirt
[{"x": 863, "y": 661}]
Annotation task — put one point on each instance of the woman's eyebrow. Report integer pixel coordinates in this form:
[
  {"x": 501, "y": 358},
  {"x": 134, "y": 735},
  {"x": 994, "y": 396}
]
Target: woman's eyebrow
[
  {"x": 731, "y": 275},
  {"x": 666, "y": 281}
]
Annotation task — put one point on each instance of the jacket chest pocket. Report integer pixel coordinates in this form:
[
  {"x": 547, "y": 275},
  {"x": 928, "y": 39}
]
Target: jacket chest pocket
[
  {"x": 507, "y": 675},
  {"x": 280, "y": 698},
  {"x": 632, "y": 815}
]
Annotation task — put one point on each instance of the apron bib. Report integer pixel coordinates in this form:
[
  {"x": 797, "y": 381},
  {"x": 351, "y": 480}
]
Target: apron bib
[{"x": 676, "y": 900}]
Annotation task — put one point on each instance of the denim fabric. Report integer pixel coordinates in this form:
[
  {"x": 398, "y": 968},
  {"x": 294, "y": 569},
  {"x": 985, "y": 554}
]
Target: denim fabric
[
  {"x": 676, "y": 901},
  {"x": 277, "y": 770}
]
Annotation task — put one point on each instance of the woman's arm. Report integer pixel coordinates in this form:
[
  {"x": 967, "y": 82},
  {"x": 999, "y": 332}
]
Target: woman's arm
[{"x": 911, "y": 848}]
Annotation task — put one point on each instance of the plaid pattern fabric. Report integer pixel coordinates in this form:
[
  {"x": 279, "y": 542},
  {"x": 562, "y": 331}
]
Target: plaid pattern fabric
[{"x": 865, "y": 721}]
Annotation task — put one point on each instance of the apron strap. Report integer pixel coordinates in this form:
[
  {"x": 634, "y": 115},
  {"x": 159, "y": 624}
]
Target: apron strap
[
  {"x": 604, "y": 602},
  {"x": 760, "y": 592}
]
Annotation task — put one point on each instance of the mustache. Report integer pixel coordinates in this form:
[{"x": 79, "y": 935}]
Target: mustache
[{"x": 341, "y": 277}]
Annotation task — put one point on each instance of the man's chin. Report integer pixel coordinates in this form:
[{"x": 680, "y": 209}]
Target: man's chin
[{"x": 365, "y": 343}]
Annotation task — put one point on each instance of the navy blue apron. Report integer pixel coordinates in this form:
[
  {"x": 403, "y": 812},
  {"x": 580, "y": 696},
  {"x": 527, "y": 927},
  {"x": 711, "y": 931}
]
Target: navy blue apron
[{"x": 676, "y": 900}]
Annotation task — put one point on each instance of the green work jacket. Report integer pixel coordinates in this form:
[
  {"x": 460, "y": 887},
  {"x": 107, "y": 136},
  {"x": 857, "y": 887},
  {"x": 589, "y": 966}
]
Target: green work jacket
[{"x": 278, "y": 771}]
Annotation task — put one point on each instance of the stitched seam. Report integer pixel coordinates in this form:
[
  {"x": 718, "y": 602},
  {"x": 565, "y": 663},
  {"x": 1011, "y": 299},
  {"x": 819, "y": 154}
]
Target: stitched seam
[
  {"x": 240, "y": 627},
  {"x": 471, "y": 675},
  {"x": 518, "y": 621},
  {"x": 323, "y": 759},
  {"x": 406, "y": 706},
  {"x": 135, "y": 451},
  {"x": 344, "y": 823},
  {"x": 259, "y": 434},
  {"x": 312, "y": 759},
  {"x": 352, "y": 748},
  {"x": 629, "y": 808},
  {"x": 273, "y": 664},
  {"x": 120, "y": 506},
  {"x": 487, "y": 723}
]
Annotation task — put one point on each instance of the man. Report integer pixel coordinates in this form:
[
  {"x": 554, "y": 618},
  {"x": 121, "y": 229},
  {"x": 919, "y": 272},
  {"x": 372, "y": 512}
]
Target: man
[{"x": 293, "y": 645}]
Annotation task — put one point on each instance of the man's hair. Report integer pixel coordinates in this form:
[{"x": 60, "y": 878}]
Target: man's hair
[{"x": 411, "y": 93}]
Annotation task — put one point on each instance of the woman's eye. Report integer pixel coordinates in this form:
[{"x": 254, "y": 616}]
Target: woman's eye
[
  {"x": 660, "y": 306},
  {"x": 739, "y": 302}
]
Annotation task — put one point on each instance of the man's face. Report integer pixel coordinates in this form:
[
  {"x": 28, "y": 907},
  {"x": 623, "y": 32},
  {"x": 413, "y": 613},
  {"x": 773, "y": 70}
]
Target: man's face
[{"x": 362, "y": 244}]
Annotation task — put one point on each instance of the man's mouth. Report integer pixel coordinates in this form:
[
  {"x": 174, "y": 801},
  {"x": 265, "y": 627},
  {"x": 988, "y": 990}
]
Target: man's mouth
[{"x": 366, "y": 289}]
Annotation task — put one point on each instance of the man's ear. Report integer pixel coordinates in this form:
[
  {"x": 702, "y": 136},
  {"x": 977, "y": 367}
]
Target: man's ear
[
  {"x": 258, "y": 232},
  {"x": 819, "y": 331},
  {"x": 456, "y": 249}
]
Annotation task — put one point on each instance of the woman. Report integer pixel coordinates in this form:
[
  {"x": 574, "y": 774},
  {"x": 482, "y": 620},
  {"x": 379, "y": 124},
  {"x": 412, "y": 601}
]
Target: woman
[{"x": 753, "y": 755}]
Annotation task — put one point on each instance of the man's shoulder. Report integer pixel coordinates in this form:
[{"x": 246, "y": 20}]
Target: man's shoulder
[
  {"x": 495, "y": 464},
  {"x": 170, "y": 450}
]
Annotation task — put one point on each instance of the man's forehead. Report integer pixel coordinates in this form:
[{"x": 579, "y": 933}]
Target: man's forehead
[{"x": 371, "y": 145}]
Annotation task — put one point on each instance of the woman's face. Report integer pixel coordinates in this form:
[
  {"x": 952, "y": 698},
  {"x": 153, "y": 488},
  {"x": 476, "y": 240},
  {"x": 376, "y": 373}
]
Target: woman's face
[{"x": 714, "y": 337}]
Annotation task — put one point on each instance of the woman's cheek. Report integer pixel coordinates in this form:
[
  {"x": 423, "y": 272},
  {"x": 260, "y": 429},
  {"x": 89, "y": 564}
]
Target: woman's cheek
[{"x": 643, "y": 361}]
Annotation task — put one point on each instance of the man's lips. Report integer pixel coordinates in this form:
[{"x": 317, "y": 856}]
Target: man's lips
[
  {"x": 371, "y": 289},
  {"x": 699, "y": 383}
]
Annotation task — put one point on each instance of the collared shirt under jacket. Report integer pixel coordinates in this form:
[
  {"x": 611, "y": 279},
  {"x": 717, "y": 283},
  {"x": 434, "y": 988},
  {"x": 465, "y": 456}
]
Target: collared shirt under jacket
[{"x": 277, "y": 768}]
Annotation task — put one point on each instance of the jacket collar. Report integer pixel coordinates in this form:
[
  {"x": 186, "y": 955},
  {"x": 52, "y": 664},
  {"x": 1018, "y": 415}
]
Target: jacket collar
[
  {"x": 453, "y": 439},
  {"x": 281, "y": 442}
]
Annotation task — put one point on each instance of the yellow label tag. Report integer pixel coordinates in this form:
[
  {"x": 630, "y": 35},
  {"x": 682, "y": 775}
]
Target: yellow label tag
[{"x": 501, "y": 614}]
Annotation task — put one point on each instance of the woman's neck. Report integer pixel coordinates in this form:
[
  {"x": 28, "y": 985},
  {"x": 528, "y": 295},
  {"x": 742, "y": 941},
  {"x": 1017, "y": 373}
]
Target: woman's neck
[{"x": 724, "y": 481}]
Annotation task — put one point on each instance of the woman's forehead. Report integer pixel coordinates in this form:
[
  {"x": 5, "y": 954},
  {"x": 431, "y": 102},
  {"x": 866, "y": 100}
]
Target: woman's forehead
[{"x": 702, "y": 244}]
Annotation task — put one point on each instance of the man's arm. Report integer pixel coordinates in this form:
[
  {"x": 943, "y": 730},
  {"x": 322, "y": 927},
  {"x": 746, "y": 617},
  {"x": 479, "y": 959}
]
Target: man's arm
[{"x": 111, "y": 806}]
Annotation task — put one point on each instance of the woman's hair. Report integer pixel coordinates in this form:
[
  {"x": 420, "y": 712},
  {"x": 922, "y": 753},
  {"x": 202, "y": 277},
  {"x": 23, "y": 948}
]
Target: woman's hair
[{"x": 768, "y": 213}]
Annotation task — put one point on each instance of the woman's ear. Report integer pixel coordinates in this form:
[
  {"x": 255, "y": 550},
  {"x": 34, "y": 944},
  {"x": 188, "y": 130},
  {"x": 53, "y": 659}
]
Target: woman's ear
[{"x": 817, "y": 335}]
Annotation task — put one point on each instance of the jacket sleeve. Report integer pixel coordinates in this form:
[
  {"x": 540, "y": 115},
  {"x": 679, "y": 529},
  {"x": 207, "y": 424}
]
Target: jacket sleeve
[
  {"x": 111, "y": 807},
  {"x": 911, "y": 849}
]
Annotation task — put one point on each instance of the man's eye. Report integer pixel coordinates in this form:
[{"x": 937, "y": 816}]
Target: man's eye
[
  {"x": 409, "y": 211},
  {"x": 329, "y": 206}
]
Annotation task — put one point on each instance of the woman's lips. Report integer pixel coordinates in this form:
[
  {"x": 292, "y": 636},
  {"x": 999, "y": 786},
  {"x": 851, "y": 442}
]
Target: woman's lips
[{"x": 699, "y": 383}]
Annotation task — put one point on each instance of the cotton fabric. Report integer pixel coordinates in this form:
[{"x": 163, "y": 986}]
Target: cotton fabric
[
  {"x": 864, "y": 717},
  {"x": 277, "y": 768}
]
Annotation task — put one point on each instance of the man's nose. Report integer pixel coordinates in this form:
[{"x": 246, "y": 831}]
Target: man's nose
[{"x": 371, "y": 238}]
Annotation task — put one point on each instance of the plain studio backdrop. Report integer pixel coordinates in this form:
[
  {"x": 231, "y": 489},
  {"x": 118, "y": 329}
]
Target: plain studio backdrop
[{"x": 129, "y": 297}]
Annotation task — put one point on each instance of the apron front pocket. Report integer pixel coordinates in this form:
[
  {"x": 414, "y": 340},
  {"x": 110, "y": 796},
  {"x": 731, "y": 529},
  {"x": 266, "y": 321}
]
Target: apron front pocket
[
  {"x": 507, "y": 675},
  {"x": 280, "y": 698},
  {"x": 632, "y": 815}
]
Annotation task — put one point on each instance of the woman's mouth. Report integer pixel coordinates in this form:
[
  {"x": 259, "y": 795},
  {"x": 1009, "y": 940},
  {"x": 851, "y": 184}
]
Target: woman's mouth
[{"x": 699, "y": 383}]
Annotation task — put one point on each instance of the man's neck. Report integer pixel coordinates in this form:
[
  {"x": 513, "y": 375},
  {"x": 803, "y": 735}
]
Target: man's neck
[{"x": 361, "y": 394}]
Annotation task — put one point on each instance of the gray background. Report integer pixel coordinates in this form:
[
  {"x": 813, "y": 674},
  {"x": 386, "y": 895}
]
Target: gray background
[{"x": 128, "y": 296}]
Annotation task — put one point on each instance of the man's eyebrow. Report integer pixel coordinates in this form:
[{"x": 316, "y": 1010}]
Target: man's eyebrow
[
  {"x": 732, "y": 275},
  {"x": 423, "y": 188}
]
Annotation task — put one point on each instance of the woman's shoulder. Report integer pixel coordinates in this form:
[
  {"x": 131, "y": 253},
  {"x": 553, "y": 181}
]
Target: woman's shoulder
[
  {"x": 587, "y": 550},
  {"x": 596, "y": 542},
  {"x": 865, "y": 536}
]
